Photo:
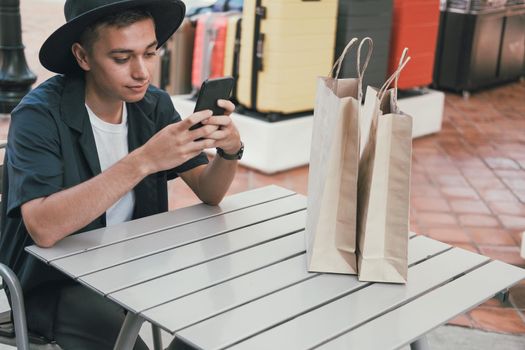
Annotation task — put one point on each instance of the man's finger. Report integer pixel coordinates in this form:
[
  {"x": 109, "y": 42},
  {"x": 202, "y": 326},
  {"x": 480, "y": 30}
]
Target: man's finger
[
  {"x": 227, "y": 105},
  {"x": 202, "y": 132},
  {"x": 221, "y": 120},
  {"x": 217, "y": 135},
  {"x": 202, "y": 145},
  {"x": 196, "y": 118}
]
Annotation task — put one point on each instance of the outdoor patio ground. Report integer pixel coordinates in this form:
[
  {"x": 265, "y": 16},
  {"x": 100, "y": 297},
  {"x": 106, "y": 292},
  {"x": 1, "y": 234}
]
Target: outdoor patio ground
[{"x": 468, "y": 181}]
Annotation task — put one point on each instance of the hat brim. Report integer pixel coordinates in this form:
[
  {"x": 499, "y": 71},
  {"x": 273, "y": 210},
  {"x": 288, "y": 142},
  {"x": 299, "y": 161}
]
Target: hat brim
[{"x": 55, "y": 54}]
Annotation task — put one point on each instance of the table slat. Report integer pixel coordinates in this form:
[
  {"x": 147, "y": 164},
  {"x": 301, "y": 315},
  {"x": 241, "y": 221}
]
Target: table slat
[
  {"x": 152, "y": 266},
  {"x": 203, "y": 276},
  {"x": 226, "y": 296},
  {"x": 110, "y": 235},
  {"x": 235, "y": 325},
  {"x": 406, "y": 324},
  {"x": 127, "y": 251}
]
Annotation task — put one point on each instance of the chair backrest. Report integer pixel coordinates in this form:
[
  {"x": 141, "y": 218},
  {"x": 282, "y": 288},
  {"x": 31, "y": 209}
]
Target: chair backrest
[
  {"x": 15, "y": 290},
  {"x": 17, "y": 304}
]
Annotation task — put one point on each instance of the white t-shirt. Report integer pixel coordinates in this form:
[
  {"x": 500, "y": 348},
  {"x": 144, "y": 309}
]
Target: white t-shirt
[{"x": 112, "y": 146}]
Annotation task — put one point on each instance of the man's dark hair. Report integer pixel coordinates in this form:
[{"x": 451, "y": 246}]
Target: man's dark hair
[{"x": 119, "y": 20}]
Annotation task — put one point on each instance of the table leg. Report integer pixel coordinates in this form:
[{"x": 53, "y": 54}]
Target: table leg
[
  {"x": 420, "y": 344},
  {"x": 157, "y": 337},
  {"x": 129, "y": 332}
]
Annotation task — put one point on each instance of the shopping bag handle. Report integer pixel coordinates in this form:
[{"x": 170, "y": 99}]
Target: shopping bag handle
[
  {"x": 395, "y": 76},
  {"x": 339, "y": 61},
  {"x": 361, "y": 69},
  {"x": 403, "y": 57}
]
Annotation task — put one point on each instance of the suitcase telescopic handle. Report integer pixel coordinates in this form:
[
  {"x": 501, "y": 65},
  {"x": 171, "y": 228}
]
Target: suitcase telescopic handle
[
  {"x": 165, "y": 60},
  {"x": 259, "y": 52}
]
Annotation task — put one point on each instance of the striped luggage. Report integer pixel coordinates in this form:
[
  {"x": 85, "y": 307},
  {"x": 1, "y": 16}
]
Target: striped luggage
[
  {"x": 173, "y": 73},
  {"x": 415, "y": 26},
  {"x": 227, "y": 5},
  {"x": 365, "y": 18},
  {"x": 208, "y": 52},
  {"x": 210, "y": 46},
  {"x": 283, "y": 49}
]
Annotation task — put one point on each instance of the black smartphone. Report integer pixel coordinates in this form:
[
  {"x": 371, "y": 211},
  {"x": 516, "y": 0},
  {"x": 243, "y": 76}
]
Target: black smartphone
[{"x": 211, "y": 91}]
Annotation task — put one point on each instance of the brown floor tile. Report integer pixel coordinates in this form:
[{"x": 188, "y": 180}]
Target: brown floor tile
[
  {"x": 414, "y": 227},
  {"x": 508, "y": 254},
  {"x": 451, "y": 180},
  {"x": 466, "y": 246},
  {"x": 491, "y": 236},
  {"x": 517, "y": 235},
  {"x": 478, "y": 220},
  {"x": 517, "y": 295},
  {"x": 180, "y": 195},
  {"x": 419, "y": 178},
  {"x": 459, "y": 192},
  {"x": 492, "y": 302},
  {"x": 515, "y": 184},
  {"x": 520, "y": 194},
  {"x": 424, "y": 191},
  {"x": 510, "y": 174},
  {"x": 430, "y": 204},
  {"x": 501, "y": 163},
  {"x": 477, "y": 172},
  {"x": 428, "y": 219},
  {"x": 461, "y": 321},
  {"x": 470, "y": 163},
  {"x": 501, "y": 320},
  {"x": 448, "y": 235},
  {"x": 486, "y": 183},
  {"x": 469, "y": 206},
  {"x": 509, "y": 208},
  {"x": 503, "y": 195},
  {"x": 513, "y": 222}
]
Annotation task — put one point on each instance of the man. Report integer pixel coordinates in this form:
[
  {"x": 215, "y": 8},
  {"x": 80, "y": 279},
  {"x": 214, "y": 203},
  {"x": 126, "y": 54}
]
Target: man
[{"x": 95, "y": 147}]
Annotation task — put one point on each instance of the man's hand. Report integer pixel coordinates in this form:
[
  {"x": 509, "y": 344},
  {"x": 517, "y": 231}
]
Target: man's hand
[
  {"x": 175, "y": 144},
  {"x": 226, "y": 135}
]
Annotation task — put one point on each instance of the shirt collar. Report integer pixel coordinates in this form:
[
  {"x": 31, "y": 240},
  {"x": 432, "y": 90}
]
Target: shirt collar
[{"x": 72, "y": 104}]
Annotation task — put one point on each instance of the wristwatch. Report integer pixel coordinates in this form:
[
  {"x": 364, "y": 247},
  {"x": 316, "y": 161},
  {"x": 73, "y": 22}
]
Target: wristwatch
[{"x": 228, "y": 156}]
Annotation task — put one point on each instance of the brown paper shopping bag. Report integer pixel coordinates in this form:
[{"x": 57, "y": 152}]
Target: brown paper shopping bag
[
  {"x": 332, "y": 181},
  {"x": 384, "y": 187}
]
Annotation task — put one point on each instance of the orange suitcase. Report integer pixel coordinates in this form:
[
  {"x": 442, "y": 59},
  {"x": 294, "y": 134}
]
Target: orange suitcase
[{"x": 415, "y": 25}]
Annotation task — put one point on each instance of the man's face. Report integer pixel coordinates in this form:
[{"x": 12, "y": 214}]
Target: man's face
[{"x": 121, "y": 61}]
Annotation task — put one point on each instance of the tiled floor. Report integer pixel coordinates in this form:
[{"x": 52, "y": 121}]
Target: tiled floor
[{"x": 468, "y": 181}]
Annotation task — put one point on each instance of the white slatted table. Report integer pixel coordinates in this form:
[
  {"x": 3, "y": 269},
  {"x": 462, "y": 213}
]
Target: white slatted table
[{"x": 234, "y": 276}]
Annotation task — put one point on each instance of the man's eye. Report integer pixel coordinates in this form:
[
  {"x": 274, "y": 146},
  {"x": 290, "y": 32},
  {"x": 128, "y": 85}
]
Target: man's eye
[
  {"x": 120, "y": 60},
  {"x": 151, "y": 54}
]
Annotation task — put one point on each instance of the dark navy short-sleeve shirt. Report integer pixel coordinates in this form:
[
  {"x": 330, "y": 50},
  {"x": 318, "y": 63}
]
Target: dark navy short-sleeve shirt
[{"x": 51, "y": 147}]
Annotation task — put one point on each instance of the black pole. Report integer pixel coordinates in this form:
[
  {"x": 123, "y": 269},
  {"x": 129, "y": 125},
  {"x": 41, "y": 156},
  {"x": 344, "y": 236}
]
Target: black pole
[{"x": 15, "y": 76}]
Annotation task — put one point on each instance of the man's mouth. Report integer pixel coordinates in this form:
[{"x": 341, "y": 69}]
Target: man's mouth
[{"x": 138, "y": 88}]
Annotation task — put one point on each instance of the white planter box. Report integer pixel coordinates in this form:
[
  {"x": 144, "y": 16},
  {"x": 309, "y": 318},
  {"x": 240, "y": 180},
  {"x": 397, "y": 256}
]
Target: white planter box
[{"x": 273, "y": 147}]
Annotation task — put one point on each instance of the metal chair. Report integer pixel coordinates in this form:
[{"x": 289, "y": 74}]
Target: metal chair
[{"x": 14, "y": 331}]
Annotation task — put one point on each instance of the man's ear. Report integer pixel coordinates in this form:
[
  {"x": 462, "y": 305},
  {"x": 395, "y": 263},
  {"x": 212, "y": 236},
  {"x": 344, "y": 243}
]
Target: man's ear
[{"x": 81, "y": 55}]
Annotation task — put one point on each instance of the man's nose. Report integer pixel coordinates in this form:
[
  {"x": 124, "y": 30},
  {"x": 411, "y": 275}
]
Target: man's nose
[{"x": 139, "y": 69}]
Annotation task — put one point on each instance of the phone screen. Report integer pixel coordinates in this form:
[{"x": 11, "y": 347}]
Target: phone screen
[{"x": 211, "y": 91}]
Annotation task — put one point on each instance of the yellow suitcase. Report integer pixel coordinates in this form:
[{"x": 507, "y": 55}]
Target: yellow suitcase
[{"x": 285, "y": 45}]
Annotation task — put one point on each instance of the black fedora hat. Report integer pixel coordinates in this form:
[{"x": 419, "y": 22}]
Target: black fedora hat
[{"x": 55, "y": 54}]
